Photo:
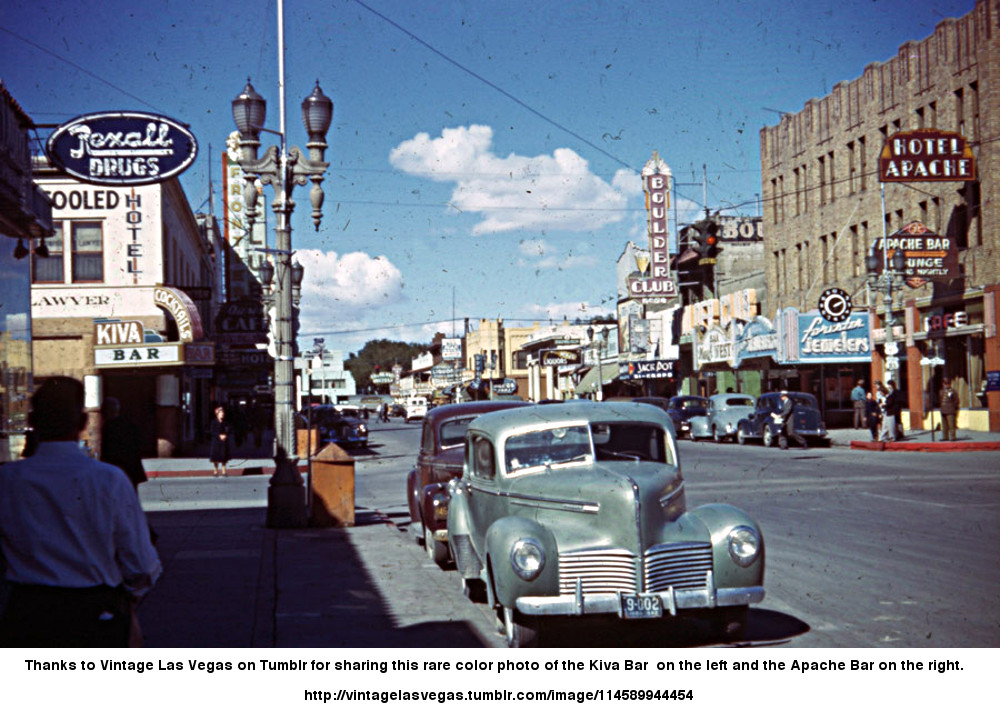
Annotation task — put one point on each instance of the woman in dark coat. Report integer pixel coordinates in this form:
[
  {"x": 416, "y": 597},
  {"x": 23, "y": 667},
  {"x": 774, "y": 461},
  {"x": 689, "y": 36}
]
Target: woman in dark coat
[{"x": 219, "y": 450}]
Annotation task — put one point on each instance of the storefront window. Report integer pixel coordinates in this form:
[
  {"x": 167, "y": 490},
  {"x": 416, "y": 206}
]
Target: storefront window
[
  {"x": 50, "y": 269},
  {"x": 88, "y": 252},
  {"x": 16, "y": 383}
]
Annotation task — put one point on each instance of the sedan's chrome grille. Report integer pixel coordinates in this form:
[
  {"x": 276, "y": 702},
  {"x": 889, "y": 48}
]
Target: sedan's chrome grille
[
  {"x": 681, "y": 565},
  {"x": 602, "y": 570}
]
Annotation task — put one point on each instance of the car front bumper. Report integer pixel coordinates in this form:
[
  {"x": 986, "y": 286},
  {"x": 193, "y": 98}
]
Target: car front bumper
[{"x": 611, "y": 603}]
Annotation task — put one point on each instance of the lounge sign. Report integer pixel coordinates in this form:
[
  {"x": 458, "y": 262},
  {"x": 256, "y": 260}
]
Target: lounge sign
[
  {"x": 928, "y": 255},
  {"x": 122, "y": 148},
  {"x": 926, "y": 155}
]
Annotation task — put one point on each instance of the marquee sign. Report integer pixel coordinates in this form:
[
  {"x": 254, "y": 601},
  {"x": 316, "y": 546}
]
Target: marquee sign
[
  {"x": 658, "y": 285},
  {"x": 926, "y": 155},
  {"x": 646, "y": 370},
  {"x": 928, "y": 255},
  {"x": 122, "y": 148},
  {"x": 560, "y": 357}
]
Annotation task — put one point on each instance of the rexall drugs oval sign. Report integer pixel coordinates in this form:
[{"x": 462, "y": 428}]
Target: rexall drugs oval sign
[{"x": 122, "y": 148}]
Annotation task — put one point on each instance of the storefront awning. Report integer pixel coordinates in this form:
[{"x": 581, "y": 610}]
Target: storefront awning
[{"x": 588, "y": 383}]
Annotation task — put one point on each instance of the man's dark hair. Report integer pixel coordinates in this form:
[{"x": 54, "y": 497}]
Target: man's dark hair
[{"x": 57, "y": 409}]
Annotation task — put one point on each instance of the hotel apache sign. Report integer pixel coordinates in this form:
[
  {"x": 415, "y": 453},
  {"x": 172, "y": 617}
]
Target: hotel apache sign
[
  {"x": 122, "y": 148},
  {"x": 658, "y": 285},
  {"x": 926, "y": 155}
]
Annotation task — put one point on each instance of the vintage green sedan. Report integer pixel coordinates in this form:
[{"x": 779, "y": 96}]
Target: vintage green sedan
[{"x": 579, "y": 509}]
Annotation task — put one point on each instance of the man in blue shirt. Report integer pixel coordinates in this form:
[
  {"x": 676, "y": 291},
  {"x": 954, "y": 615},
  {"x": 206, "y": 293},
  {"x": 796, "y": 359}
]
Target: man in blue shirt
[
  {"x": 73, "y": 536},
  {"x": 858, "y": 400}
]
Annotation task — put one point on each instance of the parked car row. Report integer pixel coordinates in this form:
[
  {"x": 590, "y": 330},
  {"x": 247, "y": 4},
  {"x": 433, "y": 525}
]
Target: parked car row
[
  {"x": 578, "y": 509},
  {"x": 745, "y": 419}
]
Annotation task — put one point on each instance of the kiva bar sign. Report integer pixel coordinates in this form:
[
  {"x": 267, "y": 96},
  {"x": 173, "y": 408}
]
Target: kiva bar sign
[
  {"x": 122, "y": 148},
  {"x": 926, "y": 155}
]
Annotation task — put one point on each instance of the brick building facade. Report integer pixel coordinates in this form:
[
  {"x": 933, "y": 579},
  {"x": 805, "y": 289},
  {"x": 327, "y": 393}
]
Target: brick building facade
[{"x": 823, "y": 210}]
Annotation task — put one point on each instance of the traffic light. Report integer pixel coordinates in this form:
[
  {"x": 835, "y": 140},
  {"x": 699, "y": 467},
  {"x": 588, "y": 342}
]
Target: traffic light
[{"x": 706, "y": 238}]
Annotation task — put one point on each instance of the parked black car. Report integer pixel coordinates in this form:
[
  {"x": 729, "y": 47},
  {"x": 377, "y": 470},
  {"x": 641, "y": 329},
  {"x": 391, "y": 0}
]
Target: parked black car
[
  {"x": 682, "y": 408},
  {"x": 335, "y": 426},
  {"x": 806, "y": 420}
]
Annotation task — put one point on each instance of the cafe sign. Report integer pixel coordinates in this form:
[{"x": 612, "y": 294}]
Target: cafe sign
[
  {"x": 926, "y": 155},
  {"x": 122, "y": 148}
]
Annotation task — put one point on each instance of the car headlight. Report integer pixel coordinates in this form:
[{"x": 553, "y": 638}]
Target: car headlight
[
  {"x": 527, "y": 558},
  {"x": 362, "y": 430},
  {"x": 744, "y": 545}
]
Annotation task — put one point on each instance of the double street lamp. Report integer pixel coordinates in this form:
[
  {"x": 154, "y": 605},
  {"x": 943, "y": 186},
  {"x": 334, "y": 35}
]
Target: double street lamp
[
  {"x": 889, "y": 282},
  {"x": 600, "y": 357},
  {"x": 283, "y": 168}
]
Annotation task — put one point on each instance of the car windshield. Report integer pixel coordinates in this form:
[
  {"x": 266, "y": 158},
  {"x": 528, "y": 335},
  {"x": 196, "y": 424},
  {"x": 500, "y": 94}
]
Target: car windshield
[
  {"x": 326, "y": 416},
  {"x": 561, "y": 446},
  {"x": 548, "y": 448},
  {"x": 452, "y": 432}
]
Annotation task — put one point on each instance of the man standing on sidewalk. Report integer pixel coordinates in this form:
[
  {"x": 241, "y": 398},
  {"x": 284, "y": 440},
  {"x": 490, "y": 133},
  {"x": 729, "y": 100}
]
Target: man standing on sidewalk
[
  {"x": 72, "y": 535},
  {"x": 858, "y": 399},
  {"x": 891, "y": 407},
  {"x": 949, "y": 411}
]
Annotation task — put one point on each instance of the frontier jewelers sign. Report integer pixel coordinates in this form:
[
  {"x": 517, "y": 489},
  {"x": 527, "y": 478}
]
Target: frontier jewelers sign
[
  {"x": 122, "y": 148},
  {"x": 926, "y": 155}
]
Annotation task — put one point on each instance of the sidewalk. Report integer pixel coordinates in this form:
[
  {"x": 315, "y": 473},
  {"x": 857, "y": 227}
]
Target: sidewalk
[
  {"x": 917, "y": 440},
  {"x": 228, "y": 581},
  {"x": 246, "y": 460}
]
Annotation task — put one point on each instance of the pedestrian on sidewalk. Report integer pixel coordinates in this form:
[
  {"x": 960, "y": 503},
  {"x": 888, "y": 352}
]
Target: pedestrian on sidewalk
[
  {"x": 858, "y": 399},
  {"x": 872, "y": 414},
  {"x": 949, "y": 411},
  {"x": 120, "y": 442},
  {"x": 74, "y": 542},
  {"x": 891, "y": 407},
  {"x": 218, "y": 452}
]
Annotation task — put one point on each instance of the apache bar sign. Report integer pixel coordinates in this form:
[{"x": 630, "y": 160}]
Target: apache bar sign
[
  {"x": 928, "y": 255},
  {"x": 926, "y": 155},
  {"x": 656, "y": 184},
  {"x": 122, "y": 148}
]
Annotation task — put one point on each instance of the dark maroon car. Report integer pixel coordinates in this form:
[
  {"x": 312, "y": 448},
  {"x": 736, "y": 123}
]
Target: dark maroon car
[{"x": 440, "y": 459}]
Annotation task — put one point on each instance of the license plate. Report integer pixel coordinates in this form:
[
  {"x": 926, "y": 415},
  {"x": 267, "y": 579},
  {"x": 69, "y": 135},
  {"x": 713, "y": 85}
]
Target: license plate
[{"x": 639, "y": 607}]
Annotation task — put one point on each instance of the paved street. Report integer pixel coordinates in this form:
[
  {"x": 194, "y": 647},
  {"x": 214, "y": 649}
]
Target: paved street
[{"x": 865, "y": 549}]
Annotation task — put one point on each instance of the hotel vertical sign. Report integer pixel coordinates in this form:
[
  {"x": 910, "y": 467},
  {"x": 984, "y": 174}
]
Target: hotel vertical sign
[{"x": 658, "y": 284}]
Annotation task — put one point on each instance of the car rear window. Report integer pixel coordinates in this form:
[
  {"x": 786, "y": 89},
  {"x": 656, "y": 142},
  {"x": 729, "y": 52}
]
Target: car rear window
[
  {"x": 739, "y": 401},
  {"x": 452, "y": 432}
]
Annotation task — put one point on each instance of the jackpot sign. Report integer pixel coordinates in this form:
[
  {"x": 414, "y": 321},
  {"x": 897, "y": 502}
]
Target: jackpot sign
[
  {"x": 656, "y": 184},
  {"x": 122, "y": 148}
]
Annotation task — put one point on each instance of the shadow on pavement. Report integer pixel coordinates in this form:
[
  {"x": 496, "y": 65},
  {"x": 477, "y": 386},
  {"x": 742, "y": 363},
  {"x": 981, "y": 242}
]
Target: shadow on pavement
[{"x": 230, "y": 582}]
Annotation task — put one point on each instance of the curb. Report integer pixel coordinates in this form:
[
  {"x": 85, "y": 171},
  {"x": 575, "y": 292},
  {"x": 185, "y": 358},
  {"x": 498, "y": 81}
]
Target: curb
[
  {"x": 245, "y": 471},
  {"x": 925, "y": 446}
]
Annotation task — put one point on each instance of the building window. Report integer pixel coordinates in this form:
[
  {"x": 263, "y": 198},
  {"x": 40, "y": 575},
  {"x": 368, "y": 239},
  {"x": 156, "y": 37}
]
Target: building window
[
  {"x": 798, "y": 192},
  {"x": 830, "y": 166},
  {"x": 862, "y": 164},
  {"x": 88, "y": 252},
  {"x": 973, "y": 111},
  {"x": 822, "y": 180},
  {"x": 852, "y": 170},
  {"x": 857, "y": 255},
  {"x": 960, "y": 111},
  {"x": 50, "y": 269}
]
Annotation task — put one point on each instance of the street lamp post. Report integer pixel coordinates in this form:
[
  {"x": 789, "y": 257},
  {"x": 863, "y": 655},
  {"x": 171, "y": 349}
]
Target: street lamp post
[
  {"x": 600, "y": 357},
  {"x": 283, "y": 168},
  {"x": 889, "y": 282}
]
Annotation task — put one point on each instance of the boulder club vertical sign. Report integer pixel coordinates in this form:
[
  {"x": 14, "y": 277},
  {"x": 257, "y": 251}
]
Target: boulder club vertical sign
[{"x": 658, "y": 284}]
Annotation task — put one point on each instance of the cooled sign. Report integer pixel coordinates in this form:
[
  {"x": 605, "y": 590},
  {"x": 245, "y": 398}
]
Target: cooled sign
[{"x": 122, "y": 148}]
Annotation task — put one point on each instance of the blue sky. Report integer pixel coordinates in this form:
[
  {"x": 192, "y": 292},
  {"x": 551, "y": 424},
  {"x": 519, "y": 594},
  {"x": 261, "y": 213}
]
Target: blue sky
[{"x": 484, "y": 155}]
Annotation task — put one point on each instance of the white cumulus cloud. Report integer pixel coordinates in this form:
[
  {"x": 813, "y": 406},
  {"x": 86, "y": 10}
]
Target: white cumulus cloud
[
  {"x": 340, "y": 291},
  {"x": 544, "y": 192}
]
